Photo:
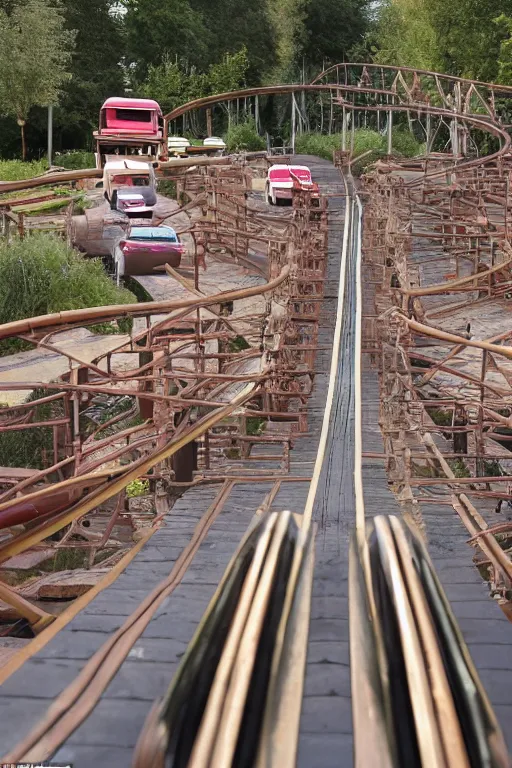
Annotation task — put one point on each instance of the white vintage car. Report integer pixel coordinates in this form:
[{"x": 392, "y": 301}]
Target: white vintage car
[
  {"x": 214, "y": 143},
  {"x": 177, "y": 145},
  {"x": 129, "y": 187}
]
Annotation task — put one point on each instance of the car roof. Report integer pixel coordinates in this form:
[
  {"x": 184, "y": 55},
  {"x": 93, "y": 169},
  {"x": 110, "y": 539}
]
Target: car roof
[
  {"x": 123, "y": 103},
  {"x": 279, "y": 167}
]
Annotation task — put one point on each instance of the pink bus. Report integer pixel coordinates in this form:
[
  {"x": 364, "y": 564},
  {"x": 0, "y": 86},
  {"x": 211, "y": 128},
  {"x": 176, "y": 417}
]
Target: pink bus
[{"x": 129, "y": 127}]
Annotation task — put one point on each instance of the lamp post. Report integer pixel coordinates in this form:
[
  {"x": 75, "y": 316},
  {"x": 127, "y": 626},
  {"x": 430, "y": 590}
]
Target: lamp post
[{"x": 50, "y": 135}]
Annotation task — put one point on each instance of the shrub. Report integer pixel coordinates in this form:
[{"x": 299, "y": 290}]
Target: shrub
[
  {"x": 244, "y": 137},
  {"x": 42, "y": 274},
  {"x": 75, "y": 160},
  {"x": 17, "y": 170},
  {"x": 404, "y": 144},
  {"x": 318, "y": 144},
  {"x": 493, "y": 468}
]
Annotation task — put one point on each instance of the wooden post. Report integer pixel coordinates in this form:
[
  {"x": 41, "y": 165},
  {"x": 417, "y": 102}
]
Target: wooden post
[
  {"x": 293, "y": 124},
  {"x": 209, "y": 122},
  {"x": 480, "y": 444},
  {"x": 257, "y": 113}
]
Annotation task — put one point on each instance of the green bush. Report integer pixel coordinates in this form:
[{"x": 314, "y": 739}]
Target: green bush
[
  {"x": 17, "y": 170},
  {"x": 318, "y": 144},
  {"x": 404, "y": 144},
  {"x": 42, "y": 274},
  {"x": 244, "y": 137},
  {"x": 75, "y": 160}
]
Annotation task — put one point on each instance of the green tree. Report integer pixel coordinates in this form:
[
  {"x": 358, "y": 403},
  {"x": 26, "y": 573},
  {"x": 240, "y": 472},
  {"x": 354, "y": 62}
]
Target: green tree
[
  {"x": 95, "y": 68},
  {"x": 172, "y": 83},
  {"x": 155, "y": 28},
  {"x": 333, "y": 28},
  {"x": 504, "y": 24},
  {"x": 407, "y": 36},
  {"x": 166, "y": 83},
  {"x": 433, "y": 34},
  {"x": 35, "y": 54},
  {"x": 229, "y": 74},
  {"x": 237, "y": 24},
  {"x": 287, "y": 18}
]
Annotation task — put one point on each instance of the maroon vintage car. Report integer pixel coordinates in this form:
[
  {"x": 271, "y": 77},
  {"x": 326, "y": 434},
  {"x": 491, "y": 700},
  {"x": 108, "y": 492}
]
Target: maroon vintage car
[{"x": 146, "y": 248}]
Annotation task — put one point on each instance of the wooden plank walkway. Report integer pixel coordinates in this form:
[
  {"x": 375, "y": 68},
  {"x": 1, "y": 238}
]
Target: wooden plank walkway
[{"x": 108, "y": 736}]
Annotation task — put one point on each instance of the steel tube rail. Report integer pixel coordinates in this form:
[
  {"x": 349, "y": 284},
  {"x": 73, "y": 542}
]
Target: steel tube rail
[
  {"x": 410, "y": 70},
  {"x": 95, "y": 314}
]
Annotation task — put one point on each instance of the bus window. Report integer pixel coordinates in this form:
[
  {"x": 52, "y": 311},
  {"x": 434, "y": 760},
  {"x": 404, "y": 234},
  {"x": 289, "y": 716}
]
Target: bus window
[{"x": 134, "y": 115}]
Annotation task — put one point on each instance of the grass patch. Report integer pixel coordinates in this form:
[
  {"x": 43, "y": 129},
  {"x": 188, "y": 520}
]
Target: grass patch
[
  {"x": 66, "y": 560},
  {"x": 47, "y": 206},
  {"x": 424, "y": 470},
  {"x": 41, "y": 274},
  {"x": 115, "y": 328},
  {"x": 440, "y": 417},
  {"x": 17, "y": 170}
]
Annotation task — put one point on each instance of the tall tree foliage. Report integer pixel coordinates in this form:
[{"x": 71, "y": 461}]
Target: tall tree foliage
[
  {"x": 505, "y": 56},
  {"x": 237, "y": 24},
  {"x": 432, "y": 34},
  {"x": 287, "y": 18},
  {"x": 173, "y": 83},
  {"x": 35, "y": 54},
  {"x": 333, "y": 28},
  {"x": 95, "y": 67},
  {"x": 156, "y": 28}
]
